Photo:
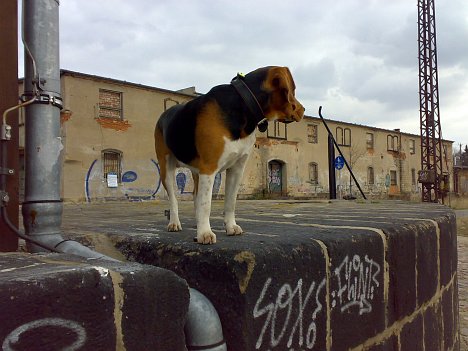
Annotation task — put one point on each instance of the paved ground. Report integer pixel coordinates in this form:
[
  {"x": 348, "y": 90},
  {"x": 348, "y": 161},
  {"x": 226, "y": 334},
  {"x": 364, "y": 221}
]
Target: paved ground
[
  {"x": 463, "y": 290},
  {"x": 463, "y": 281}
]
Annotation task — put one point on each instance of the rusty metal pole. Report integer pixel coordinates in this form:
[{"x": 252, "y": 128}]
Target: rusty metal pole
[{"x": 9, "y": 98}]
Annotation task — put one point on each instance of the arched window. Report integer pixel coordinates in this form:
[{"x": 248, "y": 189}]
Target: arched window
[
  {"x": 339, "y": 135},
  {"x": 313, "y": 173},
  {"x": 413, "y": 176},
  {"x": 112, "y": 163},
  {"x": 392, "y": 142},
  {"x": 347, "y": 137}
]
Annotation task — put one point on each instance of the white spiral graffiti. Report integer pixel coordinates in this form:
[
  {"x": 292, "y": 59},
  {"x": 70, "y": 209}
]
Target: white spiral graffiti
[{"x": 15, "y": 335}]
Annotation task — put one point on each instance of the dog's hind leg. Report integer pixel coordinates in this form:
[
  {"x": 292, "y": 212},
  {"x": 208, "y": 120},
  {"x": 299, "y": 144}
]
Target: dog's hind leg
[
  {"x": 233, "y": 179},
  {"x": 174, "y": 222},
  {"x": 167, "y": 165}
]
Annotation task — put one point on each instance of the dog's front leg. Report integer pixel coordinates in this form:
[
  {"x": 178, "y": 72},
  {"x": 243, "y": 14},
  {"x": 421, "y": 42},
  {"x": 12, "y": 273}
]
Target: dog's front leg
[
  {"x": 233, "y": 180},
  {"x": 203, "y": 209}
]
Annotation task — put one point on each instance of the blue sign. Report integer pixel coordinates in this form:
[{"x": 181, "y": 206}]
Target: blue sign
[
  {"x": 129, "y": 177},
  {"x": 339, "y": 162}
]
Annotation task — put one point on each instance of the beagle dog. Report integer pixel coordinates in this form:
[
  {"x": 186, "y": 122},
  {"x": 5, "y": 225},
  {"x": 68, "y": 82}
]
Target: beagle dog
[{"x": 216, "y": 132}]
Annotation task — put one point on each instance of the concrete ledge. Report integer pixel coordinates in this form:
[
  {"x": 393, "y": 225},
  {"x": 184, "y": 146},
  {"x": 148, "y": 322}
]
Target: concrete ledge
[
  {"x": 318, "y": 276},
  {"x": 58, "y": 302}
]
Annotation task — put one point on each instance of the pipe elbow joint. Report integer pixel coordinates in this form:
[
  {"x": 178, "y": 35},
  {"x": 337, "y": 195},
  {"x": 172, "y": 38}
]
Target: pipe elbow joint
[{"x": 203, "y": 329}]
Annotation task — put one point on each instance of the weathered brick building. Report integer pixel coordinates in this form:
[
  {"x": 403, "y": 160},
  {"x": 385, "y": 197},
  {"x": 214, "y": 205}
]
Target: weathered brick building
[{"x": 107, "y": 134}]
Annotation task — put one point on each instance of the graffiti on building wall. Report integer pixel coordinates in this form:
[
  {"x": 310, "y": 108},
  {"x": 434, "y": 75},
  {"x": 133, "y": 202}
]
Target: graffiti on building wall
[
  {"x": 129, "y": 177},
  {"x": 353, "y": 283},
  {"x": 184, "y": 181},
  {"x": 130, "y": 187}
]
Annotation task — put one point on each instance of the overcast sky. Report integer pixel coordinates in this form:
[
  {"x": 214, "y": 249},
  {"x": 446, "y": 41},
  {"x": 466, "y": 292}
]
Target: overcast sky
[{"x": 356, "y": 58}]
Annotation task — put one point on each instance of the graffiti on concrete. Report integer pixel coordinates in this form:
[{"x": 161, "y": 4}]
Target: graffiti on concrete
[
  {"x": 289, "y": 299},
  {"x": 14, "y": 336},
  {"x": 357, "y": 281}
]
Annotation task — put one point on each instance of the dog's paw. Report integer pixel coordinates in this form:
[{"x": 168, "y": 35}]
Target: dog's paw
[
  {"x": 174, "y": 227},
  {"x": 207, "y": 237},
  {"x": 234, "y": 230}
]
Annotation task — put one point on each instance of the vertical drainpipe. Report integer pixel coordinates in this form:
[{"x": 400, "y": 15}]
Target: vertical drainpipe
[{"x": 42, "y": 207}]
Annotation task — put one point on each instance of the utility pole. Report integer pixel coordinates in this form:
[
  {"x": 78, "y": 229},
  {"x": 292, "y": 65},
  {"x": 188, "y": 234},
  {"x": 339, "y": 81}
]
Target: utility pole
[
  {"x": 8, "y": 99},
  {"x": 431, "y": 144}
]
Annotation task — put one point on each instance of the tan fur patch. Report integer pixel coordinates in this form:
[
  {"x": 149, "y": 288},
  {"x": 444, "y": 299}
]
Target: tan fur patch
[
  {"x": 209, "y": 139},
  {"x": 161, "y": 152}
]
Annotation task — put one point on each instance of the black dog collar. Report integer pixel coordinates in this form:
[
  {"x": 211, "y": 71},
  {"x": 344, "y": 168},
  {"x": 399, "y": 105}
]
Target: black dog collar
[{"x": 251, "y": 101}]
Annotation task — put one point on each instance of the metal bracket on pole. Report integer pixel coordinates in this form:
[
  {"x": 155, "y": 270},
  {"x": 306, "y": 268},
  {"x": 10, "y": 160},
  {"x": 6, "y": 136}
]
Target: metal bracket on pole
[
  {"x": 339, "y": 150},
  {"x": 6, "y": 171},
  {"x": 44, "y": 98}
]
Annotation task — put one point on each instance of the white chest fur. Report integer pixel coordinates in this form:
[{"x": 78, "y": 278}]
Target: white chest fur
[{"x": 235, "y": 150}]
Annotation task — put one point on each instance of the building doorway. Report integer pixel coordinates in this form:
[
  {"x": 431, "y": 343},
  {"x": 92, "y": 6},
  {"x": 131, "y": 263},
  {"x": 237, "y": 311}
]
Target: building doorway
[{"x": 275, "y": 177}]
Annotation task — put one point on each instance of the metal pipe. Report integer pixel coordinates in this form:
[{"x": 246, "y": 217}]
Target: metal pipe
[
  {"x": 203, "y": 329},
  {"x": 339, "y": 150},
  {"x": 42, "y": 207},
  {"x": 331, "y": 168}
]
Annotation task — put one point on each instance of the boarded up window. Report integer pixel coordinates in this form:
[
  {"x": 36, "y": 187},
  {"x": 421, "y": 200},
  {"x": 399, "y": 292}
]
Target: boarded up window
[
  {"x": 370, "y": 175},
  {"x": 412, "y": 146},
  {"x": 112, "y": 163},
  {"x": 370, "y": 140},
  {"x": 110, "y": 104},
  {"x": 313, "y": 173},
  {"x": 393, "y": 178},
  {"x": 312, "y": 133}
]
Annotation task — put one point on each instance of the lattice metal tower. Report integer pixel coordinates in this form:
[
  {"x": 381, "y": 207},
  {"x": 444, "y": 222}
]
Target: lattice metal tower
[{"x": 431, "y": 144}]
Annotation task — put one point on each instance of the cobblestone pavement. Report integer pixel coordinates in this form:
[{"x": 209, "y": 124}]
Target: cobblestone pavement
[{"x": 463, "y": 290}]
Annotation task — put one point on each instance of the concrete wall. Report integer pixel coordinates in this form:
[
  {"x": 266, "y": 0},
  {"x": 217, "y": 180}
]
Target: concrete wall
[
  {"x": 317, "y": 276},
  {"x": 305, "y": 276},
  {"x": 60, "y": 302}
]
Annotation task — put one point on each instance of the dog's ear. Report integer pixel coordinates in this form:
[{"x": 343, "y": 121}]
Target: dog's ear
[{"x": 281, "y": 79}]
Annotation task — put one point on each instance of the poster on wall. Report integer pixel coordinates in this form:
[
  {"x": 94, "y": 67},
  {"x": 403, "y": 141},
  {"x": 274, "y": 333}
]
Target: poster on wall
[{"x": 112, "y": 180}]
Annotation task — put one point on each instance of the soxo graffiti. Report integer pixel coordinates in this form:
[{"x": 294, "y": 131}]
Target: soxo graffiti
[
  {"x": 15, "y": 335},
  {"x": 356, "y": 279},
  {"x": 289, "y": 299}
]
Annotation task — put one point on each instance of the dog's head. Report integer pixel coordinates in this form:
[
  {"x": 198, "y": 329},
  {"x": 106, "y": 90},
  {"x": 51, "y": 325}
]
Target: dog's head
[{"x": 282, "y": 104}]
